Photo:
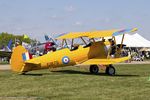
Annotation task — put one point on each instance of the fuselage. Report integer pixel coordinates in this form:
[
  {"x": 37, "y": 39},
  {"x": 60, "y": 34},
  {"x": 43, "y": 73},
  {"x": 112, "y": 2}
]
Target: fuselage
[{"x": 67, "y": 57}]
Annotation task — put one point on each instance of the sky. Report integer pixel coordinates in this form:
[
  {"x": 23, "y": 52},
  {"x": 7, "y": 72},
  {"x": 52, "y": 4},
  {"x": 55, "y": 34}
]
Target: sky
[{"x": 53, "y": 17}]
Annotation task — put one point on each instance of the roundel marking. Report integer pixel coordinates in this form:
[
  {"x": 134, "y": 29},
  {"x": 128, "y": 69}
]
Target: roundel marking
[{"x": 65, "y": 60}]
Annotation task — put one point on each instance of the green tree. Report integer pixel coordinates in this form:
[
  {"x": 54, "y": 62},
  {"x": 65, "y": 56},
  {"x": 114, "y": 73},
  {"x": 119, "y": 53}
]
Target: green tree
[{"x": 6, "y": 37}]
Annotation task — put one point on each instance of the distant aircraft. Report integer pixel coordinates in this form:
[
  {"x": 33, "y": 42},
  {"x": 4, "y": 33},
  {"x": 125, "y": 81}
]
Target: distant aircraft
[
  {"x": 95, "y": 53},
  {"x": 43, "y": 48},
  {"x": 6, "y": 50}
]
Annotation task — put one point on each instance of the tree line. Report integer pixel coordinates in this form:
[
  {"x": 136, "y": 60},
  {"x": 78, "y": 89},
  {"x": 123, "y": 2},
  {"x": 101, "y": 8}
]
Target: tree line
[{"x": 6, "y": 37}]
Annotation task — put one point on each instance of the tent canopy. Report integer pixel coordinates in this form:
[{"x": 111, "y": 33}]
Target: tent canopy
[{"x": 133, "y": 40}]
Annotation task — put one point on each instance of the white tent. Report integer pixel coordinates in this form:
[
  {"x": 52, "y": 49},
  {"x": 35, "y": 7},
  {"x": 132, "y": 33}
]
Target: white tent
[{"x": 133, "y": 40}]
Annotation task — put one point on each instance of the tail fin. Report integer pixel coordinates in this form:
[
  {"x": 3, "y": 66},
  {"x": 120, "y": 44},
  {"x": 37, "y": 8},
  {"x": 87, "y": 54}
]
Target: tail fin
[
  {"x": 9, "y": 45},
  {"x": 18, "y": 58},
  {"x": 47, "y": 38}
]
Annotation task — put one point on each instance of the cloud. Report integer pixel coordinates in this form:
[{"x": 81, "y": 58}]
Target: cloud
[
  {"x": 53, "y": 17},
  {"x": 107, "y": 20},
  {"x": 56, "y": 17},
  {"x": 70, "y": 8},
  {"x": 78, "y": 23}
]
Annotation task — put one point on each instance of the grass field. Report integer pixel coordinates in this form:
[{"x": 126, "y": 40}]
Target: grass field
[
  {"x": 132, "y": 82},
  {"x": 3, "y": 63}
]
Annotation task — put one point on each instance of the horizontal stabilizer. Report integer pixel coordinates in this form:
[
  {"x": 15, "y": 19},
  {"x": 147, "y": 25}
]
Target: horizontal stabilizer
[{"x": 33, "y": 63}]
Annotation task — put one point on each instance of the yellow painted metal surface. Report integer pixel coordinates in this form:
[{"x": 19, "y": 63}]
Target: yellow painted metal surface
[
  {"x": 105, "y": 33},
  {"x": 105, "y": 61},
  {"x": 55, "y": 59},
  {"x": 16, "y": 58},
  {"x": 88, "y": 34},
  {"x": 134, "y": 29},
  {"x": 92, "y": 34},
  {"x": 74, "y": 35}
]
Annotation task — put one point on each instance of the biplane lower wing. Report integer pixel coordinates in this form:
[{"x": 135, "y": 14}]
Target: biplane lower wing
[{"x": 95, "y": 61}]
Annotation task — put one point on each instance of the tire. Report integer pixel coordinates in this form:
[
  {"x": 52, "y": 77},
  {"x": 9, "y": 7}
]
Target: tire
[
  {"x": 94, "y": 69},
  {"x": 110, "y": 70}
]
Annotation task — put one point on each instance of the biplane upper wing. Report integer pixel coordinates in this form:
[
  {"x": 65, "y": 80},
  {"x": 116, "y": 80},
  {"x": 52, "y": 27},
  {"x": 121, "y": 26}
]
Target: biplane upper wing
[
  {"x": 104, "y": 61},
  {"x": 110, "y": 33},
  {"x": 96, "y": 34},
  {"x": 74, "y": 35}
]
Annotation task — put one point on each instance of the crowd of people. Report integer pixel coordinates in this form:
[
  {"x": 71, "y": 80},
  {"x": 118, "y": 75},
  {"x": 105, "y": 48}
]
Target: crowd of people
[{"x": 135, "y": 53}]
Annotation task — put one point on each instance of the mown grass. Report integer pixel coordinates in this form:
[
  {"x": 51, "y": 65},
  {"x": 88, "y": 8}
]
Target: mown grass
[
  {"x": 131, "y": 82},
  {"x": 3, "y": 63}
]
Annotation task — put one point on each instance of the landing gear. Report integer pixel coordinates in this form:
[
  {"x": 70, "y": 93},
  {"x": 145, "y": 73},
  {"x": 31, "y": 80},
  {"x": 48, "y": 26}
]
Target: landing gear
[
  {"x": 94, "y": 69},
  {"x": 110, "y": 70}
]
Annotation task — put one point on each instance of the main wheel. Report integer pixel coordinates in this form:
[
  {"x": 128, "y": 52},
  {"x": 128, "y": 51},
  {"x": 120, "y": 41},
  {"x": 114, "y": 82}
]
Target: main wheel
[
  {"x": 94, "y": 69},
  {"x": 110, "y": 70}
]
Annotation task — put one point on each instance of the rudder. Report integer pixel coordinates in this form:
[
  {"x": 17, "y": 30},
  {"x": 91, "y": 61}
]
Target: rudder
[{"x": 17, "y": 59}]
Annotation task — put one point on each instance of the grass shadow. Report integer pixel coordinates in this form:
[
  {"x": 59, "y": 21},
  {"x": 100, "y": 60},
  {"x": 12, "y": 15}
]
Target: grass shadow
[
  {"x": 74, "y": 72},
  {"x": 126, "y": 75},
  {"x": 31, "y": 74},
  {"x": 77, "y": 72},
  {"x": 88, "y": 73}
]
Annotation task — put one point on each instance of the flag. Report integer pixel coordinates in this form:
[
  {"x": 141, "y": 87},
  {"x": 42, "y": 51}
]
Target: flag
[
  {"x": 25, "y": 56},
  {"x": 25, "y": 36}
]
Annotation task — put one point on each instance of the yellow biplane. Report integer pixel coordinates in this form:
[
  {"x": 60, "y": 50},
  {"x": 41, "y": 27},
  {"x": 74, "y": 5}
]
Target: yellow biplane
[{"x": 94, "y": 51}]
